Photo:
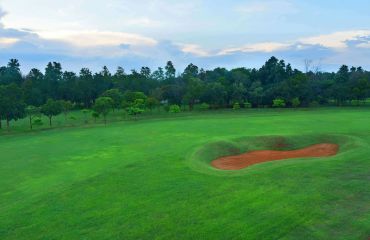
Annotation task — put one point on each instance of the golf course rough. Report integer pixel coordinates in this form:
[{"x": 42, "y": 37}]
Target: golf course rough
[
  {"x": 254, "y": 157},
  {"x": 153, "y": 179}
]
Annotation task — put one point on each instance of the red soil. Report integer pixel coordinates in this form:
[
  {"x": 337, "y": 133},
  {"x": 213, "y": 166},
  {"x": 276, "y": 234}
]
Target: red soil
[{"x": 250, "y": 158}]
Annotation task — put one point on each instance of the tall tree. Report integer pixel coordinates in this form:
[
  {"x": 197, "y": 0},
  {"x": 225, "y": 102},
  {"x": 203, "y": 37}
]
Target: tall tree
[
  {"x": 11, "y": 73},
  {"x": 170, "y": 70},
  {"x": 12, "y": 106},
  {"x": 34, "y": 92},
  {"x": 53, "y": 76},
  {"x": 194, "y": 89}
]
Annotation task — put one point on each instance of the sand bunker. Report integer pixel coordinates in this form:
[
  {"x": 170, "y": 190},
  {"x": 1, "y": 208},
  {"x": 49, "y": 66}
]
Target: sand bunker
[{"x": 250, "y": 158}]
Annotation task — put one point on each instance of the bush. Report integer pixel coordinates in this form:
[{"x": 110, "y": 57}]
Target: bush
[
  {"x": 355, "y": 102},
  {"x": 314, "y": 104},
  {"x": 236, "y": 106},
  {"x": 85, "y": 113},
  {"x": 296, "y": 102},
  {"x": 166, "y": 108},
  {"x": 37, "y": 122},
  {"x": 174, "y": 109},
  {"x": 204, "y": 106},
  {"x": 278, "y": 103},
  {"x": 247, "y": 105}
]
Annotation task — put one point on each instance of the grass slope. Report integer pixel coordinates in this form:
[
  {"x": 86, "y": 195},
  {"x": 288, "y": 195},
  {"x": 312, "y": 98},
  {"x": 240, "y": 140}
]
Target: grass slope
[{"x": 144, "y": 180}]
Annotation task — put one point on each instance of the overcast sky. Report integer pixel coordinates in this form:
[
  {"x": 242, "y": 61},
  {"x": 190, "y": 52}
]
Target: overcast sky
[{"x": 209, "y": 33}]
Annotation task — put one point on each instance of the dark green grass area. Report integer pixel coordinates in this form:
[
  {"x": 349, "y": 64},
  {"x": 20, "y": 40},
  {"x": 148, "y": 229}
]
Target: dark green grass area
[{"x": 151, "y": 179}]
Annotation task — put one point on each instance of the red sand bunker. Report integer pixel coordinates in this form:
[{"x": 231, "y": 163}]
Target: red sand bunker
[{"x": 250, "y": 158}]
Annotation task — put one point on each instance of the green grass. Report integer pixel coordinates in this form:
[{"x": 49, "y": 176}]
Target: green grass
[{"x": 150, "y": 179}]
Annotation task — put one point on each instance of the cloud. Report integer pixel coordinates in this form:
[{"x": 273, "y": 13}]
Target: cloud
[
  {"x": 194, "y": 49},
  {"x": 94, "y": 48},
  {"x": 5, "y": 41},
  {"x": 97, "y": 38},
  {"x": 337, "y": 40},
  {"x": 267, "y": 47}
]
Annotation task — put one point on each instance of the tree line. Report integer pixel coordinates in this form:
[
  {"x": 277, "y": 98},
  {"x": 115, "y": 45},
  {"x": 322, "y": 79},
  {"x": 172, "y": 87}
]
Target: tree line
[{"x": 275, "y": 84}]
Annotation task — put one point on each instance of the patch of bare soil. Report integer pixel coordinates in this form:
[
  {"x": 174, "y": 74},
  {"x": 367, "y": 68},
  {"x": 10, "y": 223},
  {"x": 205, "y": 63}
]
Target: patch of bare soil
[{"x": 254, "y": 157}]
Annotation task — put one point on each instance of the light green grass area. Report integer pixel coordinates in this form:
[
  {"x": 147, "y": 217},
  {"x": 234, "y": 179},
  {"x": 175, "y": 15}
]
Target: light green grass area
[{"x": 151, "y": 179}]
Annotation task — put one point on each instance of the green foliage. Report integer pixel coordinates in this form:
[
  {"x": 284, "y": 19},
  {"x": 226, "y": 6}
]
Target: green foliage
[
  {"x": 37, "y": 121},
  {"x": 151, "y": 103},
  {"x": 67, "y": 106},
  {"x": 86, "y": 112},
  {"x": 51, "y": 108},
  {"x": 296, "y": 102},
  {"x": 95, "y": 115},
  {"x": 278, "y": 103},
  {"x": 193, "y": 90},
  {"x": 115, "y": 95},
  {"x": 204, "y": 106},
  {"x": 236, "y": 106},
  {"x": 130, "y": 97},
  {"x": 133, "y": 111},
  {"x": 32, "y": 112},
  {"x": 174, "y": 108},
  {"x": 12, "y": 106},
  {"x": 314, "y": 104},
  {"x": 247, "y": 104},
  {"x": 219, "y": 87},
  {"x": 355, "y": 102},
  {"x": 136, "y": 108},
  {"x": 166, "y": 108},
  {"x": 103, "y": 106}
]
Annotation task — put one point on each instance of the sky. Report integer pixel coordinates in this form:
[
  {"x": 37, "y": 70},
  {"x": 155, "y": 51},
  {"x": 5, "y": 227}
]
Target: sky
[{"x": 208, "y": 33}]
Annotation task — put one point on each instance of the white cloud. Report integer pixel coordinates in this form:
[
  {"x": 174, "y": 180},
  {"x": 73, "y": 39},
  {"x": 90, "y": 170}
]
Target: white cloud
[
  {"x": 97, "y": 38},
  {"x": 258, "y": 47},
  {"x": 194, "y": 49},
  {"x": 5, "y": 41},
  {"x": 337, "y": 40}
]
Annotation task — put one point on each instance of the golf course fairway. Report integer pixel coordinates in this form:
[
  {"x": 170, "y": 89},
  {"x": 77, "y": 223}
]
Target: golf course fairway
[{"x": 153, "y": 178}]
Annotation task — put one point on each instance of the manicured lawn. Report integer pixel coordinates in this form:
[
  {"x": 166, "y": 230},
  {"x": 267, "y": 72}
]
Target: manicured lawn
[{"x": 150, "y": 179}]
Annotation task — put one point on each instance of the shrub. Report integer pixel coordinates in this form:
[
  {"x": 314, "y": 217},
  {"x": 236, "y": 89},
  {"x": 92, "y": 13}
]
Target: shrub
[
  {"x": 247, "y": 105},
  {"x": 85, "y": 113},
  {"x": 174, "y": 109},
  {"x": 355, "y": 102},
  {"x": 95, "y": 115},
  {"x": 296, "y": 102},
  {"x": 166, "y": 108},
  {"x": 236, "y": 106},
  {"x": 37, "y": 122},
  {"x": 204, "y": 106},
  {"x": 314, "y": 104},
  {"x": 278, "y": 103}
]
